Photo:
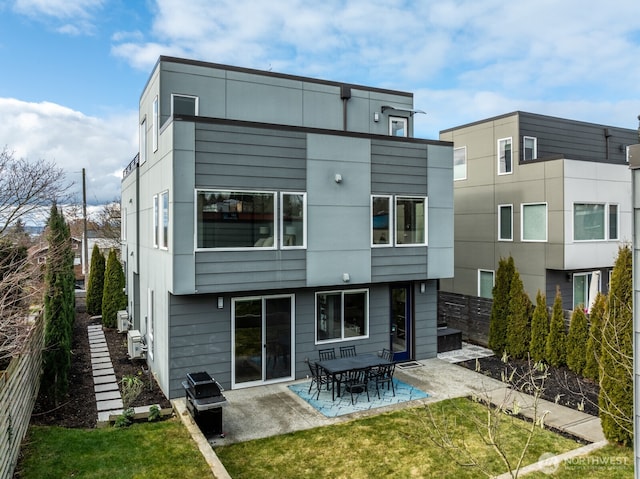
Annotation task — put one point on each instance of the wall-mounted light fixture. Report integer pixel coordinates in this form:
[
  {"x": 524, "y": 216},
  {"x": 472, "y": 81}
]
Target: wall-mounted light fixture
[
  {"x": 376, "y": 116},
  {"x": 338, "y": 178},
  {"x": 423, "y": 288},
  {"x": 569, "y": 276},
  {"x": 220, "y": 302},
  {"x": 345, "y": 277}
]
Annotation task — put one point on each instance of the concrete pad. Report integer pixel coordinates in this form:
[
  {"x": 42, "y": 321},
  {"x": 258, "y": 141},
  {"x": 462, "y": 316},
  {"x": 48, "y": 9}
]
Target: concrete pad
[
  {"x": 103, "y": 372},
  {"x": 109, "y": 405},
  {"x": 100, "y": 360},
  {"x": 99, "y": 367},
  {"x": 591, "y": 430},
  {"x": 103, "y": 416},
  {"x": 100, "y": 388},
  {"x": 104, "y": 349},
  {"x": 104, "y": 379},
  {"x": 106, "y": 396},
  {"x": 100, "y": 355},
  {"x": 96, "y": 337}
]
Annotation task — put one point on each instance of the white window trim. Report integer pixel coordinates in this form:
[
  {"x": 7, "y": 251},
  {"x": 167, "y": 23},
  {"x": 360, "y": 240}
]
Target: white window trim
[
  {"x": 426, "y": 221},
  {"x": 535, "y": 147},
  {"x": 493, "y": 281},
  {"x": 391, "y": 224},
  {"x": 510, "y": 139},
  {"x": 155, "y": 213},
  {"x": 155, "y": 119},
  {"x": 608, "y": 226},
  {"x": 546, "y": 223},
  {"x": 606, "y": 213},
  {"x": 465, "y": 164},
  {"x": 276, "y": 221},
  {"x": 500, "y": 222},
  {"x": 401, "y": 119},
  {"x": 143, "y": 141},
  {"x": 587, "y": 287},
  {"x": 342, "y": 339},
  {"x": 181, "y": 95},
  {"x": 280, "y": 217},
  {"x": 161, "y": 239}
]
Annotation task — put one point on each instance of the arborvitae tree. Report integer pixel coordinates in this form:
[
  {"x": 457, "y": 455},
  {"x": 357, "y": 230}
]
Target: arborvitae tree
[
  {"x": 518, "y": 319},
  {"x": 95, "y": 287},
  {"x": 113, "y": 299},
  {"x": 555, "y": 353},
  {"x": 577, "y": 340},
  {"x": 616, "y": 375},
  {"x": 539, "y": 328},
  {"x": 592, "y": 360},
  {"x": 59, "y": 310},
  {"x": 500, "y": 306}
]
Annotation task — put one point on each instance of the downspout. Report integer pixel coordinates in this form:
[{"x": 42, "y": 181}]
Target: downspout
[
  {"x": 607, "y": 135},
  {"x": 345, "y": 94}
]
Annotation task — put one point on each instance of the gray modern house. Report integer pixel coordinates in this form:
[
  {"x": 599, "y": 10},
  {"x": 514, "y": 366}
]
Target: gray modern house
[
  {"x": 268, "y": 216},
  {"x": 553, "y": 193}
]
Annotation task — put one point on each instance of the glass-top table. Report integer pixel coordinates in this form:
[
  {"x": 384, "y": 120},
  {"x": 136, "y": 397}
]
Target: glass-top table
[{"x": 338, "y": 366}]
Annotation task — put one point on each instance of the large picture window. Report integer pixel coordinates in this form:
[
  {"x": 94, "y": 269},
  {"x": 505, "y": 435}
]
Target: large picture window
[
  {"x": 534, "y": 222},
  {"x": 342, "y": 315},
  {"x": 505, "y": 159},
  {"x": 593, "y": 222},
  {"x": 293, "y": 226},
  {"x": 411, "y": 220},
  {"x": 381, "y": 220},
  {"x": 235, "y": 219},
  {"x": 460, "y": 163}
]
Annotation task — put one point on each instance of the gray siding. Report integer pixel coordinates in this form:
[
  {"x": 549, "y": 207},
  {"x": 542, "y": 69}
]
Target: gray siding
[{"x": 426, "y": 321}]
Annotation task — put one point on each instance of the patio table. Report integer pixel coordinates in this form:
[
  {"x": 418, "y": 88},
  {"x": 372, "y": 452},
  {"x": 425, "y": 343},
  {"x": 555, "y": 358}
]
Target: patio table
[{"x": 338, "y": 366}]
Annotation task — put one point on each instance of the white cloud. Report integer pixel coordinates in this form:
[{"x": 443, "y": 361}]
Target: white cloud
[
  {"x": 72, "y": 140},
  {"x": 69, "y": 17}
]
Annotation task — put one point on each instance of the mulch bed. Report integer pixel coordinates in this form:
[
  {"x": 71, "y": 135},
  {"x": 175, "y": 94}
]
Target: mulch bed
[
  {"x": 78, "y": 410},
  {"x": 561, "y": 386}
]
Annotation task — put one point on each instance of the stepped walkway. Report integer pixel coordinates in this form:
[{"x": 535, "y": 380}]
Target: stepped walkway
[{"x": 105, "y": 384}]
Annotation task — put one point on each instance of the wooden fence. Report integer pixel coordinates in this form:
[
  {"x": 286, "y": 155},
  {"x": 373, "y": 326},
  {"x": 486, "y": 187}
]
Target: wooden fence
[
  {"x": 19, "y": 386},
  {"x": 469, "y": 314}
]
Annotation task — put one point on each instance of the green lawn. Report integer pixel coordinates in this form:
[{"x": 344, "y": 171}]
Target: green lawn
[
  {"x": 146, "y": 450},
  {"x": 396, "y": 444},
  {"x": 611, "y": 462}
]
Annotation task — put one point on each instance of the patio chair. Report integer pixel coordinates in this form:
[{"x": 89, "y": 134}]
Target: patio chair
[
  {"x": 347, "y": 351},
  {"x": 325, "y": 354},
  {"x": 355, "y": 382},
  {"x": 387, "y": 354},
  {"x": 383, "y": 375},
  {"x": 318, "y": 377}
]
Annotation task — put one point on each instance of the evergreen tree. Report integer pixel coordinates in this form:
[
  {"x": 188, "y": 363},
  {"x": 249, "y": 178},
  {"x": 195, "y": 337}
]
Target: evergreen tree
[
  {"x": 113, "y": 298},
  {"x": 500, "y": 306},
  {"x": 577, "y": 340},
  {"x": 555, "y": 353},
  {"x": 58, "y": 308},
  {"x": 616, "y": 379},
  {"x": 592, "y": 363},
  {"x": 539, "y": 328},
  {"x": 518, "y": 319},
  {"x": 95, "y": 287}
]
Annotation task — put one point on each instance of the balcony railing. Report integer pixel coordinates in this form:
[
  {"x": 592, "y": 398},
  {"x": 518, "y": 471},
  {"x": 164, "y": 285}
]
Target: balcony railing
[{"x": 131, "y": 166}]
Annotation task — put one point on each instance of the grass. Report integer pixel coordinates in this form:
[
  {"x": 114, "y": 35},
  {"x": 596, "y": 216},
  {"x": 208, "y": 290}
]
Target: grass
[
  {"x": 610, "y": 462},
  {"x": 145, "y": 450},
  {"x": 395, "y": 444}
]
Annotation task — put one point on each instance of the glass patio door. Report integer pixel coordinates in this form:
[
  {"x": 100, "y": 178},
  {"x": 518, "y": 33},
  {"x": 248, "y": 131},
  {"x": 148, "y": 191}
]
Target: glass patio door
[
  {"x": 262, "y": 335},
  {"x": 401, "y": 322}
]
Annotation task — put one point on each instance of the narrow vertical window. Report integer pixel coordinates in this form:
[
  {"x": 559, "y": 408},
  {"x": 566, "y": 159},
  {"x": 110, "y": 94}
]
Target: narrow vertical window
[
  {"x": 293, "y": 220},
  {"x": 143, "y": 141},
  {"x": 460, "y": 163},
  {"x": 155, "y": 221},
  {"x": 155, "y": 126},
  {"x": 504, "y": 156},
  {"x": 530, "y": 147},
  {"x": 613, "y": 222},
  {"x": 164, "y": 220},
  {"x": 505, "y": 222},
  {"x": 411, "y": 220},
  {"x": 397, "y": 126},
  {"x": 149, "y": 320},
  {"x": 534, "y": 222},
  {"x": 485, "y": 283},
  {"x": 381, "y": 220}
]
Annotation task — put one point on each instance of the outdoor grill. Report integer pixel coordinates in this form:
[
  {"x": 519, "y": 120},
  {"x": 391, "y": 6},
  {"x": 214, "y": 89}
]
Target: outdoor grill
[{"x": 204, "y": 401}]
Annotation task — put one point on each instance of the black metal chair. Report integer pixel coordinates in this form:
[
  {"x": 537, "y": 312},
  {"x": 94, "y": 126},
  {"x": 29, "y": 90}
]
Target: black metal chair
[
  {"x": 383, "y": 375},
  {"x": 325, "y": 354},
  {"x": 355, "y": 382},
  {"x": 347, "y": 351},
  {"x": 387, "y": 354},
  {"x": 318, "y": 377}
]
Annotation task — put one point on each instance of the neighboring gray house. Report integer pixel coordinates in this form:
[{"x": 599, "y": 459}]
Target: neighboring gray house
[
  {"x": 268, "y": 216},
  {"x": 553, "y": 193}
]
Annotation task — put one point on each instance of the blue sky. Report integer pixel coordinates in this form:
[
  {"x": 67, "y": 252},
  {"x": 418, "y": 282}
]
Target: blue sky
[{"x": 73, "y": 70}]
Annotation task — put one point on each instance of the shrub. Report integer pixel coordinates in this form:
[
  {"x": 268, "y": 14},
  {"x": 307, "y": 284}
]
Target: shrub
[
  {"x": 592, "y": 360},
  {"x": 113, "y": 298},
  {"x": 500, "y": 306},
  {"x": 95, "y": 286},
  {"x": 555, "y": 353},
  {"x": 577, "y": 340},
  {"x": 539, "y": 328},
  {"x": 518, "y": 319}
]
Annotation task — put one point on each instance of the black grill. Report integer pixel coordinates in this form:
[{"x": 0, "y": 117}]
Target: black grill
[
  {"x": 202, "y": 385},
  {"x": 204, "y": 401}
]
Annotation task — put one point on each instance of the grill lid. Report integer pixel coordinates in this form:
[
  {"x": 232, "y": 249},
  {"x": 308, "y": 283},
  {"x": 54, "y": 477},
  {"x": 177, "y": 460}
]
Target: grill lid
[{"x": 198, "y": 378}]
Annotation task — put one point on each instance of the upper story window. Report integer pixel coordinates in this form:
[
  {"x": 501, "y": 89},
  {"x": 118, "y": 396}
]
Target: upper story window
[
  {"x": 534, "y": 222},
  {"x": 342, "y": 315},
  {"x": 505, "y": 222},
  {"x": 155, "y": 127},
  {"x": 397, "y": 126},
  {"x": 184, "y": 105},
  {"x": 530, "y": 148},
  {"x": 293, "y": 225},
  {"x": 505, "y": 160},
  {"x": 486, "y": 279},
  {"x": 143, "y": 141},
  {"x": 156, "y": 229},
  {"x": 411, "y": 220},
  {"x": 381, "y": 220},
  {"x": 460, "y": 163},
  {"x": 593, "y": 222},
  {"x": 163, "y": 221}
]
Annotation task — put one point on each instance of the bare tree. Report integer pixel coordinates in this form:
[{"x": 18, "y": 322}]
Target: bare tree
[
  {"x": 28, "y": 187},
  {"x": 108, "y": 221}
]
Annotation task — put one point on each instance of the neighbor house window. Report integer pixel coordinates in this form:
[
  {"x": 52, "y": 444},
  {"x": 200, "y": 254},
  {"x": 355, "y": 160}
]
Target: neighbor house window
[
  {"x": 381, "y": 220},
  {"x": 184, "y": 105},
  {"x": 460, "y": 163},
  {"x": 534, "y": 222},
  {"x": 292, "y": 221},
  {"x": 613, "y": 222},
  {"x": 505, "y": 163},
  {"x": 595, "y": 221},
  {"x": 143, "y": 142},
  {"x": 155, "y": 221},
  {"x": 397, "y": 126},
  {"x": 235, "y": 219},
  {"x": 582, "y": 287},
  {"x": 163, "y": 220},
  {"x": 505, "y": 222},
  {"x": 155, "y": 127},
  {"x": 485, "y": 283},
  {"x": 530, "y": 147},
  {"x": 342, "y": 315},
  {"x": 411, "y": 220}
]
